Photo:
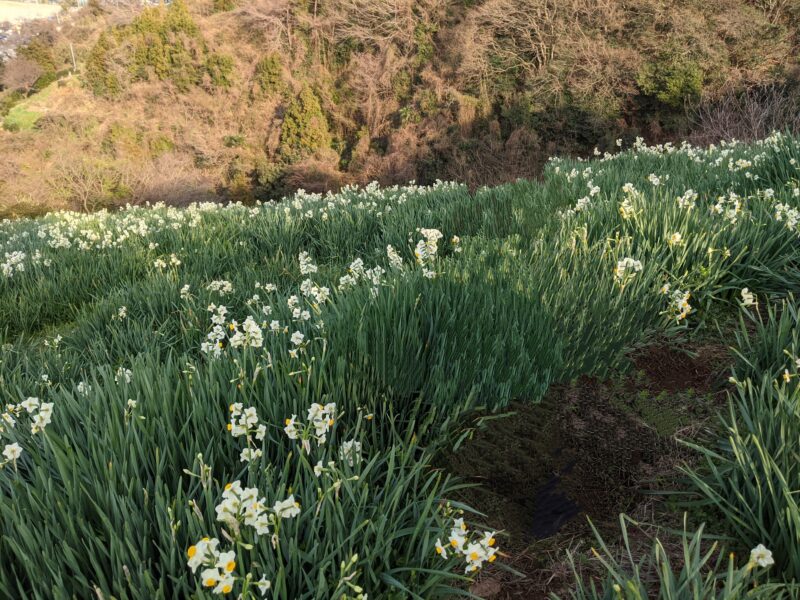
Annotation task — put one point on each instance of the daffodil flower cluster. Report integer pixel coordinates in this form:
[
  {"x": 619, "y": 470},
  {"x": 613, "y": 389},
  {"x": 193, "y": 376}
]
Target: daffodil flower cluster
[
  {"x": 350, "y": 452},
  {"x": 307, "y": 265},
  {"x": 245, "y": 422},
  {"x": 626, "y": 270},
  {"x": 14, "y": 263},
  {"x": 427, "y": 249},
  {"x": 626, "y": 208},
  {"x": 123, "y": 375},
  {"x": 679, "y": 307},
  {"x": 688, "y": 200},
  {"x": 162, "y": 264},
  {"x": 675, "y": 240},
  {"x": 250, "y": 335},
  {"x": 320, "y": 419},
  {"x": 318, "y": 295},
  {"x": 40, "y": 413},
  {"x": 395, "y": 260},
  {"x": 357, "y": 273},
  {"x": 247, "y": 335},
  {"x": 220, "y": 286},
  {"x": 218, "y": 572},
  {"x": 476, "y": 548},
  {"x": 730, "y": 207},
  {"x": 242, "y": 506},
  {"x": 788, "y": 215},
  {"x": 215, "y": 337}
]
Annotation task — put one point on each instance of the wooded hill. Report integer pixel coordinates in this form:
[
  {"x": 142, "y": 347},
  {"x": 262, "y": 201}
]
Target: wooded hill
[{"x": 250, "y": 100}]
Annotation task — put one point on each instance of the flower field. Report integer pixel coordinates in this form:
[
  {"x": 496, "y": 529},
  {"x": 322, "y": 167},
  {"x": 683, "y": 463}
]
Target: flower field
[{"x": 247, "y": 400}]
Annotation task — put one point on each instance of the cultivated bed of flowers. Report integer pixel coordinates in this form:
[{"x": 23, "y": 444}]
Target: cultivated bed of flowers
[{"x": 246, "y": 400}]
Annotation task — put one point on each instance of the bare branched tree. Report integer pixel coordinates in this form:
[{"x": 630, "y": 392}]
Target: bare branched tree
[
  {"x": 746, "y": 116},
  {"x": 20, "y": 74}
]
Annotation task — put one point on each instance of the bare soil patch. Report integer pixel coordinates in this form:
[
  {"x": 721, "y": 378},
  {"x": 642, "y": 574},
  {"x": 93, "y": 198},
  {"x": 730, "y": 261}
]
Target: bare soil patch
[{"x": 590, "y": 449}]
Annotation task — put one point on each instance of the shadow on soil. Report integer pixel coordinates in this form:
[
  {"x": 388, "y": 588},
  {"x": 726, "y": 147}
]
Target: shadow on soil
[{"x": 590, "y": 449}]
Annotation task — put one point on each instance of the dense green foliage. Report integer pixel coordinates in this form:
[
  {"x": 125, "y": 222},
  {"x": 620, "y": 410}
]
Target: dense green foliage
[
  {"x": 305, "y": 128},
  {"x": 98, "y": 75},
  {"x": 268, "y": 74},
  {"x": 408, "y": 308},
  {"x": 161, "y": 43}
]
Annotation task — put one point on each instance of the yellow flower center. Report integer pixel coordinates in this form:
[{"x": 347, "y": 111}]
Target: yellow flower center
[
  {"x": 228, "y": 486},
  {"x": 191, "y": 551},
  {"x": 288, "y": 421},
  {"x": 453, "y": 543},
  {"x": 492, "y": 558},
  {"x": 210, "y": 582},
  {"x": 439, "y": 549},
  {"x": 230, "y": 566},
  {"x": 226, "y": 589},
  {"x": 473, "y": 556},
  {"x": 205, "y": 539},
  {"x": 491, "y": 542},
  {"x": 230, "y": 426},
  {"x": 230, "y": 408}
]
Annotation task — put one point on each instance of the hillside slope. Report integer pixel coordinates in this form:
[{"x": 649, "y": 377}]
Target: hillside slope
[
  {"x": 253, "y": 100},
  {"x": 195, "y": 400}
]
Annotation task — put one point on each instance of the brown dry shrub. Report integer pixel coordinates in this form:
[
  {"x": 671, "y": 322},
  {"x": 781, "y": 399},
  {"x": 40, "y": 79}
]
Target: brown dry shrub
[
  {"x": 318, "y": 173},
  {"x": 397, "y": 165},
  {"x": 172, "y": 179},
  {"x": 20, "y": 73}
]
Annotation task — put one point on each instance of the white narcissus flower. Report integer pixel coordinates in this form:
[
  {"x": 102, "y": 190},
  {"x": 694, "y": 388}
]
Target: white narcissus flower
[
  {"x": 225, "y": 585},
  {"x": 475, "y": 554},
  {"x": 226, "y": 561},
  {"x": 676, "y": 239},
  {"x": 12, "y": 451},
  {"x": 249, "y": 454},
  {"x": 30, "y": 404},
  {"x": 203, "y": 551},
  {"x": 350, "y": 451},
  {"x": 440, "y": 550},
  {"x": 291, "y": 429},
  {"x": 287, "y": 509},
  {"x": 748, "y": 299},
  {"x": 761, "y": 556},
  {"x": 263, "y": 585}
]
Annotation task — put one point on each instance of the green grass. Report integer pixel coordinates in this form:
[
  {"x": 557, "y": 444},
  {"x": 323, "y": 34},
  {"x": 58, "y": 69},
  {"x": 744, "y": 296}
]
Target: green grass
[
  {"x": 518, "y": 293},
  {"x": 21, "y": 119},
  {"x": 23, "y": 115}
]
